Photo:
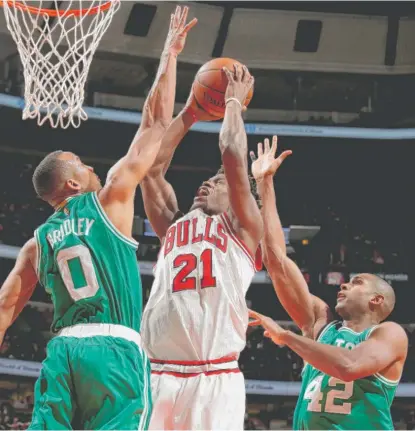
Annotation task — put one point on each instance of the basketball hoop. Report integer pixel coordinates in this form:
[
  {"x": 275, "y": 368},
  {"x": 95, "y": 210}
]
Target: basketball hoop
[{"x": 56, "y": 47}]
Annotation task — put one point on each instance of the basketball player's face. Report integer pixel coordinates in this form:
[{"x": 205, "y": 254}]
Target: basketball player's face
[
  {"x": 212, "y": 196},
  {"x": 84, "y": 177},
  {"x": 355, "y": 296}
]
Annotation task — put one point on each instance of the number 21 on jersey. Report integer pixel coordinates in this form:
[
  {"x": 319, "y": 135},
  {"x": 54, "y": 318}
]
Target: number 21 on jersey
[
  {"x": 337, "y": 390},
  {"x": 189, "y": 263}
]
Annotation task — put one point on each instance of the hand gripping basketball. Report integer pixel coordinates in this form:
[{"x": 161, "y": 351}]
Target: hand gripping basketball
[{"x": 240, "y": 82}]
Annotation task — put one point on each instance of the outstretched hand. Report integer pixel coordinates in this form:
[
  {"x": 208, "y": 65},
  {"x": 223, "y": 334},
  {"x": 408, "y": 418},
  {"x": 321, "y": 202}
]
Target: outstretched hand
[
  {"x": 272, "y": 329},
  {"x": 266, "y": 163},
  {"x": 176, "y": 37}
]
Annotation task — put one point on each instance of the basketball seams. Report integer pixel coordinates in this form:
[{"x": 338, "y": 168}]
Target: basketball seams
[{"x": 209, "y": 88}]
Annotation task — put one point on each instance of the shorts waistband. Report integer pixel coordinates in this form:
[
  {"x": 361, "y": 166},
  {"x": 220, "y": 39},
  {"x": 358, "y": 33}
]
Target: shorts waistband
[
  {"x": 160, "y": 366},
  {"x": 85, "y": 330}
]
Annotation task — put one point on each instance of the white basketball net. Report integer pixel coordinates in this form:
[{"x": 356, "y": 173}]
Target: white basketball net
[{"x": 56, "y": 53}]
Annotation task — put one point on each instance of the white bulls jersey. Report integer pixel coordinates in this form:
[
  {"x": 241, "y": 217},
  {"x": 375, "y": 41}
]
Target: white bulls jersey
[{"x": 197, "y": 309}]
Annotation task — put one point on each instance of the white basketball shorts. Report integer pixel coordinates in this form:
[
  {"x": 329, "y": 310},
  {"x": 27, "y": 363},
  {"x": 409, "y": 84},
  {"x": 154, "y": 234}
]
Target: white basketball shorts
[{"x": 200, "y": 395}]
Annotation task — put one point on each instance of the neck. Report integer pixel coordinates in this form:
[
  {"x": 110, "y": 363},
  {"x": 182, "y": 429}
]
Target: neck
[
  {"x": 359, "y": 324},
  {"x": 60, "y": 201}
]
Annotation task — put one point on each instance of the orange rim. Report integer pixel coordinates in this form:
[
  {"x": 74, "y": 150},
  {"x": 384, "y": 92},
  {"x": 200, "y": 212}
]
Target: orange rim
[{"x": 56, "y": 12}]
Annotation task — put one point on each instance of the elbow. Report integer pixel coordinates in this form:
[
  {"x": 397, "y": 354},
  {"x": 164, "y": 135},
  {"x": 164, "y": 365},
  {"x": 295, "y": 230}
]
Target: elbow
[
  {"x": 346, "y": 376},
  {"x": 153, "y": 118},
  {"x": 156, "y": 126},
  {"x": 273, "y": 258},
  {"x": 348, "y": 372}
]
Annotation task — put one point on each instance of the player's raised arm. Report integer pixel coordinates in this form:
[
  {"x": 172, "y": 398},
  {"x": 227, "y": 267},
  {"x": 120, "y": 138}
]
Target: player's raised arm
[
  {"x": 234, "y": 148},
  {"x": 128, "y": 172},
  {"x": 18, "y": 287},
  {"x": 160, "y": 200},
  {"x": 384, "y": 352},
  {"x": 308, "y": 312}
]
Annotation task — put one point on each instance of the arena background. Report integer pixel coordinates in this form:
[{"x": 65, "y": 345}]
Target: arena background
[{"x": 335, "y": 80}]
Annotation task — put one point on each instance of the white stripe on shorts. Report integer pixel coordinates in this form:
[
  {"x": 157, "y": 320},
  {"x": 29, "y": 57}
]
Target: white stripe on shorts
[{"x": 85, "y": 330}]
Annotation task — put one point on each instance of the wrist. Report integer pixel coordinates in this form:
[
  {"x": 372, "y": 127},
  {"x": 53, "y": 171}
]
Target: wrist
[
  {"x": 264, "y": 182},
  {"x": 189, "y": 115},
  {"x": 233, "y": 101},
  {"x": 170, "y": 53},
  {"x": 285, "y": 337}
]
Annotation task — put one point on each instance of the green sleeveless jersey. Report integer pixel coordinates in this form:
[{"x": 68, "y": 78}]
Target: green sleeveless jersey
[
  {"x": 327, "y": 403},
  {"x": 88, "y": 266}
]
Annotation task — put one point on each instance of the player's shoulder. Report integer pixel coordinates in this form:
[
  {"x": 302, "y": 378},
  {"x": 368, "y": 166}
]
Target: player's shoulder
[
  {"x": 28, "y": 253},
  {"x": 390, "y": 331},
  {"x": 29, "y": 246}
]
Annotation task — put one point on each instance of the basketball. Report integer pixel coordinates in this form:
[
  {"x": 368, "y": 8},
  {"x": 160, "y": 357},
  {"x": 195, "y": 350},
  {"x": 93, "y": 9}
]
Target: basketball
[{"x": 210, "y": 85}]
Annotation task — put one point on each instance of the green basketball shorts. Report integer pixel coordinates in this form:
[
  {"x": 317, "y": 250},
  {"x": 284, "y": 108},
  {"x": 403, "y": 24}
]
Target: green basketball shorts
[{"x": 95, "y": 376}]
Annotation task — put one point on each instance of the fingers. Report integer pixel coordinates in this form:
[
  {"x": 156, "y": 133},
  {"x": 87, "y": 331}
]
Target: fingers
[
  {"x": 266, "y": 145},
  {"x": 183, "y": 16},
  {"x": 190, "y": 25},
  {"x": 177, "y": 16},
  {"x": 238, "y": 72},
  {"x": 284, "y": 155},
  {"x": 254, "y": 315},
  {"x": 254, "y": 323},
  {"x": 274, "y": 145},
  {"x": 252, "y": 156},
  {"x": 278, "y": 162},
  {"x": 260, "y": 152},
  {"x": 245, "y": 73},
  {"x": 228, "y": 74}
]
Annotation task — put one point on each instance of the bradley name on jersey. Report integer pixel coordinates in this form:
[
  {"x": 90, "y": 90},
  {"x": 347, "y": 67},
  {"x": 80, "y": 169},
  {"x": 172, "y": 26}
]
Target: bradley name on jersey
[
  {"x": 192, "y": 231},
  {"x": 71, "y": 226}
]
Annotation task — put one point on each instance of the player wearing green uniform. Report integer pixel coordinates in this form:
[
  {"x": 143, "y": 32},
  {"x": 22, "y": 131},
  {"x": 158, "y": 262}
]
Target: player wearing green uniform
[
  {"x": 327, "y": 402},
  {"x": 96, "y": 374},
  {"x": 97, "y": 297},
  {"x": 352, "y": 368}
]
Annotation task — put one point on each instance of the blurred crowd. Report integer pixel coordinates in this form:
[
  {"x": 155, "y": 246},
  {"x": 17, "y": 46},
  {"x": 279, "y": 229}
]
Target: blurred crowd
[{"x": 341, "y": 243}]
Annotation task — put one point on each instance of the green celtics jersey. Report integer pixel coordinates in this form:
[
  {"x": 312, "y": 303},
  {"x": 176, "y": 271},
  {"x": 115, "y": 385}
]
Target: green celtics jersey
[
  {"x": 88, "y": 266},
  {"x": 327, "y": 403}
]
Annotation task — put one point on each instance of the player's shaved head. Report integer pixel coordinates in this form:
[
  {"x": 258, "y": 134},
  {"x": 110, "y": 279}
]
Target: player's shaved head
[
  {"x": 384, "y": 289},
  {"x": 50, "y": 175}
]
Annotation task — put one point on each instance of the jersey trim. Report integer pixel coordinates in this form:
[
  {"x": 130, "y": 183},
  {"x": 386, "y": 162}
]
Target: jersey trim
[
  {"x": 228, "y": 226},
  {"x": 62, "y": 204},
  {"x": 145, "y": 413},
  {"x": 206, "y": 373},
  {"x": 345, "y": 328},
  {"x": 326, "y": 328},
  {"x": 38, "y": 253},
  {"x": 386, "y": 381},
  {"x": 223, "y": 360},
  {"x": 369, "y": 333},
  {"x": 110, "y": 225}
]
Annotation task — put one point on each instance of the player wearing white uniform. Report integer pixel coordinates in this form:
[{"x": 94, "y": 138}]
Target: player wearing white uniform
[{"x": 196, "y": 318}]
